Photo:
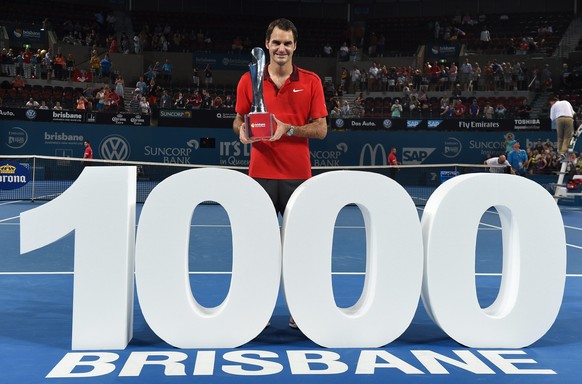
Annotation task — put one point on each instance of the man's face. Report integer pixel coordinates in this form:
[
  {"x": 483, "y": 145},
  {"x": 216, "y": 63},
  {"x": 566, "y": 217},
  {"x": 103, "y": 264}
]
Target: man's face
[{"x": 281, "y": 46}]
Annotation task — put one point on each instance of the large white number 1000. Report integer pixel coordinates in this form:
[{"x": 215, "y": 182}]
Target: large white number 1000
[{"x": 402, "y": 255}]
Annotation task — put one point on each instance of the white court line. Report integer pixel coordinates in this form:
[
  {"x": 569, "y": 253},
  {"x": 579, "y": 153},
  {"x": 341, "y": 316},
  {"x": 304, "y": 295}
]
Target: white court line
[
  {"x": 12, "y": 202},
  {"x": 9, "y": 218}
]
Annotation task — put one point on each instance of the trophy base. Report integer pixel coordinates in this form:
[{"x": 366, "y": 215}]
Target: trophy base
[{"x": 260, "y": 125}]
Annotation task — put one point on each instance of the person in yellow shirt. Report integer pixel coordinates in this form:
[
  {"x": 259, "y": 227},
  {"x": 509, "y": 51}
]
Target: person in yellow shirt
[{"x": 95, "y": 65}]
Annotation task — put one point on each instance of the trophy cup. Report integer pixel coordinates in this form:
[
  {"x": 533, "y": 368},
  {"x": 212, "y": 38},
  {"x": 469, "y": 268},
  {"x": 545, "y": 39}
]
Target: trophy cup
[{"x": 259, "y": 123}]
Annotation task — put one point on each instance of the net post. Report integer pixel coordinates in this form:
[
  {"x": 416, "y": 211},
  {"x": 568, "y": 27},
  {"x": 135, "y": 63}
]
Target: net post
[{"x": 33, "y": 178}]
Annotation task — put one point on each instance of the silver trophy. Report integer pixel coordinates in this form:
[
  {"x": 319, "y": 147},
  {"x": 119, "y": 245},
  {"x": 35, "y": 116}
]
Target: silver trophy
[{"x": 260, "y": 123}]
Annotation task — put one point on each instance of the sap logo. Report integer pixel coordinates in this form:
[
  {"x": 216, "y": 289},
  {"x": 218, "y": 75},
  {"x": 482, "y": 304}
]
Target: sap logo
[
  {"x": 434, "y": 123},
  {"x": 415, "y": 155},
  {"x": 412, "y": 123}
]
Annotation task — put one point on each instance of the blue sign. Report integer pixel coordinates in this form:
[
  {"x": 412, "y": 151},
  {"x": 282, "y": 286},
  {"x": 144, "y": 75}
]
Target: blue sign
[
  {"x": 13, "y": 175},
  {"x": 218, "y": 146}
]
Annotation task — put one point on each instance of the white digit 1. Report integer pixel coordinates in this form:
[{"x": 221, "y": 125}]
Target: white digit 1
[
  {"x": 161, "y": 268},
  {"x": 534, "y": 260},
  {"x": 393, "y": 259},
  {"x": 100, "y": 208}
]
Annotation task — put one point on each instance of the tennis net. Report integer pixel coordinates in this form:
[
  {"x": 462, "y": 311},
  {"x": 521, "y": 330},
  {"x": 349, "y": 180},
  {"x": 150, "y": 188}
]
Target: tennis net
[{"x": 51, "y": 176}]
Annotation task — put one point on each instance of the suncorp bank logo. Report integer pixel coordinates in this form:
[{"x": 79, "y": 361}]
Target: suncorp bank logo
[
  {"x": 114, "y": 147},
  {"x": 369, "y": 155}
]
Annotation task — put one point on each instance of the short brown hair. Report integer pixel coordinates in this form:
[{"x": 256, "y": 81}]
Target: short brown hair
[{"x": 283, "y": 24}]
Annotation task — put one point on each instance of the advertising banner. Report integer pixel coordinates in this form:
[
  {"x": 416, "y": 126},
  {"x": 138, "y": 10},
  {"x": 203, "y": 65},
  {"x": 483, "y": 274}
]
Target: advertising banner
[
  {"x": 211, "y": 146},
  {"x": 210, "y": 118},
  {"x": 543, "y": 124}
]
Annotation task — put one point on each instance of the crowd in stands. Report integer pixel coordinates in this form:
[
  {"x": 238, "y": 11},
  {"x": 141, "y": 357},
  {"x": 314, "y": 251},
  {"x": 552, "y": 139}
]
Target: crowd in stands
[
  {"x": 420, "y": 89},
  {"x": 438, "y": 90}
]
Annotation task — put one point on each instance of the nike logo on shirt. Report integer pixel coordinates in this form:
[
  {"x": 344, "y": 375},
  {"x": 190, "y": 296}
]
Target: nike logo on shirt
[{"x": 297, "y": 90}]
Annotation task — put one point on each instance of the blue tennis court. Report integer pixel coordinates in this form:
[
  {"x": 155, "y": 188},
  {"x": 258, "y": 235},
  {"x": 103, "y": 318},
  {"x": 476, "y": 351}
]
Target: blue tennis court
[{"x": 36, "y": 320}]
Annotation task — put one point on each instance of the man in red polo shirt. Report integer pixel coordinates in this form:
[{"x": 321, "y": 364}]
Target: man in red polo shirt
[{"x": 295, "y": 97}]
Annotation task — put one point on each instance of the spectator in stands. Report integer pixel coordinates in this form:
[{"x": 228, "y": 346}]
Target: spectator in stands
[
  {"x": 120, "y": 86},
  {"x": 228, "y": 102},
  {"x": 208, "y": 79},
  {"x": 105, "y": 67},
  {"x": 27, "y": 63},
  {"x": 396, "y": 109},
  {"x": 524, "y": 109},
  {"x": 31, "y": 103},
  {"x": 137, "y": 46},
  {"x": 465, "y": 75},
  {"x": 488, "y": 111},
  {"x": 474, "y": 109},
  {"x": 518, "y": 159},
  {"x": 485, "y": 39},
  {"x": 43, "y": 105},
  {"x": 141, "y": 86},
  {"x": 70, "y": 66},
  {"x": 95, "y": 65},
  {"x": 167, "y": 69},
  {"x": 152, "y": 93},
  {"x": 195, "y": 100},
  {"x": 500, "y": 111},
  {"x": 112, "y": 100},
  {"x": 59, "y": 66},
  {"x": 134, "y": 103},
  {"x": 457, "y": 91},
  {"x": 196, "y": 76},
  {"x": 165, "y": 100},
  {"x": 373, "y": 76},
  {"x": 327, "y": 50},
  {"x": 453, "y": 73},
  {"x": 81, "y": 103},
  {"x": 57, "y": 106},
  {"x": 344, "y": 76},
  {"x": 353, "y": 51},
  {"x": 460, "y": 109},
  {"x": 144, "y": 106},
  {"x": 355, "y": 75},
  {"x": 180, "y": 101},
  {"x": 10, "y": 61},
  {"x": 344, "y": 52},
  {"x": 217, "y": 102},
  {"x": 18, "y": 82}
]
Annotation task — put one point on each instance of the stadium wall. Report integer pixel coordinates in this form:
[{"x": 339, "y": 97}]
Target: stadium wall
[{"x": 219, "y": 146}]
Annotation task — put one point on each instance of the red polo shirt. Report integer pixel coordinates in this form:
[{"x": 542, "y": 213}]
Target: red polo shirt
[{"x": 300, "y": 99}]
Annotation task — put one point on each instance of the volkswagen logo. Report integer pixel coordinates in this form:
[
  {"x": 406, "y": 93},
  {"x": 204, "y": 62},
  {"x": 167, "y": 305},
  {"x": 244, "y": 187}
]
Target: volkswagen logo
[
  {"x": 339, "y": 123},
  {"x": 387, "y": 123},
  {"x": 114, "y": 147},
  {"x": 31, "y": 114}
]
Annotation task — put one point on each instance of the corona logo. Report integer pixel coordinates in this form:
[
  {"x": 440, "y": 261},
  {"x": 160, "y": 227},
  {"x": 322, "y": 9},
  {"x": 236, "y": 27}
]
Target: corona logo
[{"x": 7, "y": 169}]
